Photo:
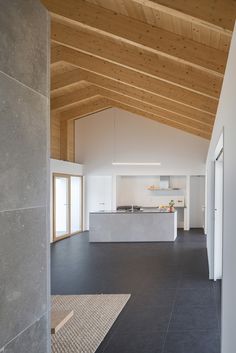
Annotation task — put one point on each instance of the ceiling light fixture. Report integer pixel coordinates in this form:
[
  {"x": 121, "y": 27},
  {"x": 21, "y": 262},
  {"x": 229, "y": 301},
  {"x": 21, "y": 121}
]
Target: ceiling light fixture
[{"x": 136, "y": 163}]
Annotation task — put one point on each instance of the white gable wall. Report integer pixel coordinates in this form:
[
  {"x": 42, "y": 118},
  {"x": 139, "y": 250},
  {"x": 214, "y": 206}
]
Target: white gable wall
[{"x": 114, "y": 135}]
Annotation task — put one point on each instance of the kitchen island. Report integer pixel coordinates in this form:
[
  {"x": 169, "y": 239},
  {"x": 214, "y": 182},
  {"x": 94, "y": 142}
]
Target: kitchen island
[{"x": 137, "y": 226}]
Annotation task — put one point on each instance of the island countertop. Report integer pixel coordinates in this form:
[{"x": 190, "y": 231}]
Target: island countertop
[
  {"x": 137, "y": 226},
  {"x": 132, "y": 212}
]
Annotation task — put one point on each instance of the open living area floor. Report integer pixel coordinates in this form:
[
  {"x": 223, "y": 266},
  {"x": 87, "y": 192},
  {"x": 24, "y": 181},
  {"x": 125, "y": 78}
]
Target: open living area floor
[{"x": 173, "y": 308}]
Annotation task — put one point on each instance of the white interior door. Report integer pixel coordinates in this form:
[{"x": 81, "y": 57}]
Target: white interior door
[
  {"x": 218, "y": 219},
  {"x": 197, "y": 201}
]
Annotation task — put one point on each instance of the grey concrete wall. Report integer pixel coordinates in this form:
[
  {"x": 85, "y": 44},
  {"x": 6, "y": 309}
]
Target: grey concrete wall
[{"x": 24, "y": 182}]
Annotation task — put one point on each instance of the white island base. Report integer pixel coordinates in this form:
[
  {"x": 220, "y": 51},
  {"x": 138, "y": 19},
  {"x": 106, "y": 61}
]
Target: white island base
[{"x": 133, "y": 226}]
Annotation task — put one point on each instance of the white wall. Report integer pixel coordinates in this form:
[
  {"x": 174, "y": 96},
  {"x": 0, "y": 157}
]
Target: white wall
[
  {"x": 114, "y": 135},
  {"x": 61, "y": 167},
  {"x": 226, "y": 119},
  {"x": 134, "y": 190}
]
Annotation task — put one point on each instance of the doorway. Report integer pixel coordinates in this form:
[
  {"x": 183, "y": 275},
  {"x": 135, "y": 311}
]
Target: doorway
[
  {"x": 197, "y": 201},
  {"x": 67, "y": 205}
]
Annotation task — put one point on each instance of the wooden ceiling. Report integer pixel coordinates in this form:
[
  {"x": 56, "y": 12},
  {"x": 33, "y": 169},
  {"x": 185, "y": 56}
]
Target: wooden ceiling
[{"x": 162, "y": 59}]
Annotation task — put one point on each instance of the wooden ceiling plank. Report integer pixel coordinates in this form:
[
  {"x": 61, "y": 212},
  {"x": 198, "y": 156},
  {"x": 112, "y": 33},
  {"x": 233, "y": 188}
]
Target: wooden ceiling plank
[
  {"x": 218, "y": 15},
  {"x": 141, "y": 34},
  {"x": 127, "y": 77},
  {"x": 137, "y": 59},
  {"x": 175, "y": 21}
]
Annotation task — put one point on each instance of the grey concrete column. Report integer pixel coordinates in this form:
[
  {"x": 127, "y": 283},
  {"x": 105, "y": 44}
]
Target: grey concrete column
[{"x": 24, "y": 177}]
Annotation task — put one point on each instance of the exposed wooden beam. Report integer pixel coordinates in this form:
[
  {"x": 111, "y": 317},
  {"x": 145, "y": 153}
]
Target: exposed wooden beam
[
  {"x": 176, "y": 125},
  {"x": 219, "y": 14},
  {"x": 67, "y": 146},
  {"x": 127, "y": 77},
  {"x": 137, "y": 59},
  {"x": 204, "y": 121},
  {"x": 143, "y": 107},
  {"x": 68, "y": 88},
  {"x": 132, "y": 92},
  {"x": 171, "y": 20},
  {"x": 55, "y": 135},
  {"x": 188, "y": 121},
  {"x": 141, "y": 34},
  {"x": 83, "y": 109},
  {"x": 98, "y": 103},
  {"x": 72, "y": 97}
]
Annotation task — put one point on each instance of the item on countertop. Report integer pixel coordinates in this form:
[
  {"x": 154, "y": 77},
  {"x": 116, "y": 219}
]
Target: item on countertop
[
  {"x": 163, "y": 208},
  {"x": 171, "y": 206},
  {"x": 128, "y": 208}
]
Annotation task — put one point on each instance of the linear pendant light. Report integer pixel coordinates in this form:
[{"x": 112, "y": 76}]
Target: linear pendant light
[{"x": 136, "y": 163}]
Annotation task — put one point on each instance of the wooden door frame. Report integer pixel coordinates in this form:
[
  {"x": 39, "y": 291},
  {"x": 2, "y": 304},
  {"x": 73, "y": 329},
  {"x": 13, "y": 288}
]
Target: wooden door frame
[
  {"x": 68, "y": 176},
  {"x": 55, "y": 175}
]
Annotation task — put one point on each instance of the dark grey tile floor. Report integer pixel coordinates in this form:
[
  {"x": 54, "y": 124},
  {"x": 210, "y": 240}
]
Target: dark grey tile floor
[{"x": 174, "y": 308}]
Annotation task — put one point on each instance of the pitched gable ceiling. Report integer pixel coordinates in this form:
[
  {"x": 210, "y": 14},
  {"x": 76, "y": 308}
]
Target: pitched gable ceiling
[{"x": 164, "y": 59}]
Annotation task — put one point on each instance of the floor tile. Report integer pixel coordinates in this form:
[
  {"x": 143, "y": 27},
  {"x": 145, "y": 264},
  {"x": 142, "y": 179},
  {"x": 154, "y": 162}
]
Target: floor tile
[
  {"x": 145, "y": 319},
  {"x": 193, "y": 318},
  {"x": 136, "y": 343},
  {"x": 194, "y": 281},
  {"x": 160, "y": 282},
  {"x": 192, "y": 342},
  {"x": 195, "y": 297},
  {"x": 157, "y": 297}
]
